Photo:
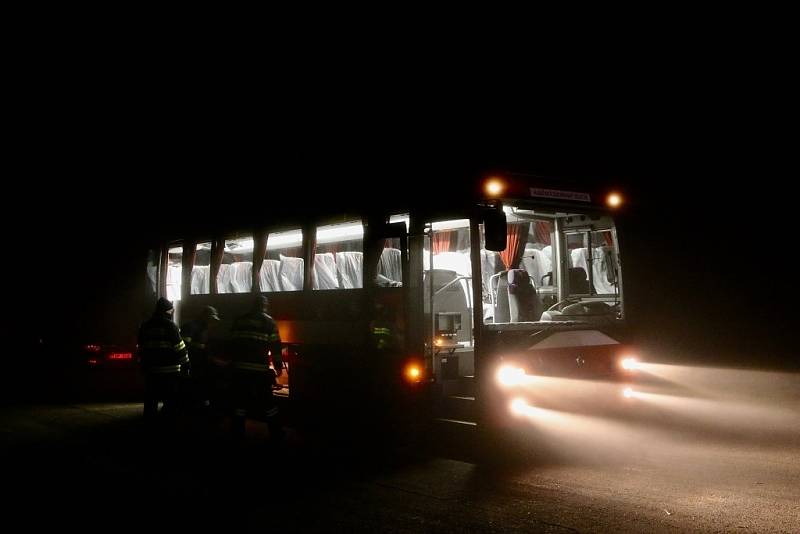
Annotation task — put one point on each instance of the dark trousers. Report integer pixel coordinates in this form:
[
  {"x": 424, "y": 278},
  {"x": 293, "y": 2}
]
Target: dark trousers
[
  {"x": 251, "y": 395},
  {"x": 161, "y": 387},
  {"x": 200, "y": 387}
]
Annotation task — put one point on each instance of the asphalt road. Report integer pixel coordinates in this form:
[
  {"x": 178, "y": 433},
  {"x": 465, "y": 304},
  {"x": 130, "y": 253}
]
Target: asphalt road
[{"x": 94, "y": 467}]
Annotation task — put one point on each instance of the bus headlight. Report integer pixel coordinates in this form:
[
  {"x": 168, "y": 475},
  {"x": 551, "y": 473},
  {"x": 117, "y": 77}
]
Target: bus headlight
[
  {"x": 629, "y": 363},
  {"x": 519, "y": 407},
  {"x": 509, "y": 376}
]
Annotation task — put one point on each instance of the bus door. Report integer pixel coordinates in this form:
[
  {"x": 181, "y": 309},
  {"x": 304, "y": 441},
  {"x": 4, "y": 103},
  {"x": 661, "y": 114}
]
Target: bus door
[
  {"x": 448, "y": 301},
  {"x": 389, "y": 284}
]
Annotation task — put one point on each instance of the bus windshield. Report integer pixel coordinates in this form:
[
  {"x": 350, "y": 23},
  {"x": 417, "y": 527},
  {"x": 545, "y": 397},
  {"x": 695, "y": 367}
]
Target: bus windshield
[{"x": 552, "y": 261}]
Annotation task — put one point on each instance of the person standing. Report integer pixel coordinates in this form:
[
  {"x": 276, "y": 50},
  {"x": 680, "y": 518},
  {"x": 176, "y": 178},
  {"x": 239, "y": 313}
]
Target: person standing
[
  {"x": 163, "y": 356},
  {"x": 254, "y": 339}
]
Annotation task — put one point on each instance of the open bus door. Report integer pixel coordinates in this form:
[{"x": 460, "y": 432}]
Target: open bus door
[
  {"x": 448, "y": 307},
  {"x": 387, "y": 268}
]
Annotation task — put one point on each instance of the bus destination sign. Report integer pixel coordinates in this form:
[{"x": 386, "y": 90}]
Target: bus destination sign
[{"x": 561, "y": 195}]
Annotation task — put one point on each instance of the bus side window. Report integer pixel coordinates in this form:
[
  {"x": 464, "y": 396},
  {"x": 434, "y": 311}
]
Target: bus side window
[
  {"x": 201, "y": 271},
  {"x": 390, "y": 265},
  {"x": 235, "y": 273},
  {"x": 174, "y": 272},
  {"x": 339, "y": 256},
  {"x": 283, "y": 266},
  {"x": 390, "y": 259}
]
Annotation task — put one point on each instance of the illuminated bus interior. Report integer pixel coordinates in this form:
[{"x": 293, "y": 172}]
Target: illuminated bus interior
[
  {"x": 447, "y": 284},
  {"x": 521, "y": 284}
]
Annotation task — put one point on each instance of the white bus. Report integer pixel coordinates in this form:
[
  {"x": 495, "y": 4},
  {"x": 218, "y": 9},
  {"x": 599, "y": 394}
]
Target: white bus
[{"x": 522, "y": 276}]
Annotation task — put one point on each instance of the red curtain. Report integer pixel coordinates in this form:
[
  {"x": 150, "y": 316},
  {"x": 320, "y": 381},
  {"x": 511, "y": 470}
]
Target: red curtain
[
  {"x": 441, "y": 241},
  {"x": 542, "y": 231},
  {"x": 517, "y": 236},
  {"x": 609, "y": 239}
]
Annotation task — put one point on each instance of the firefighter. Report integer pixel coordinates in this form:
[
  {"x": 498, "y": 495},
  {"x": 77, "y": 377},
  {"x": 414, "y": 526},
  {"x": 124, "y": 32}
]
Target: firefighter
[
  {"x": 385, "y": 337},
  {"x": 254, "y": 338},
  {"x": 195, "y": 334},
  {"x": 387, "y": 344},
  {"x": 162, "y": 354}
]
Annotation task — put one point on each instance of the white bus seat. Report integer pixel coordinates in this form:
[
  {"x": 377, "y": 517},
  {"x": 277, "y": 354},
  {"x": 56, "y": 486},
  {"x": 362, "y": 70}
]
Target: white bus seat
[
  {"x": 490, "y": 261},
  {"x": 325, "y": 271},
  {"x": 349, "y": 266},
  {"x": 548, "y": 252},
  {"x": 241, "y": 276},
  {"x": 537, "y": 264},
  {"x": 460, "y": 263},
  {"x": 269, "y": 279},
  {"x": 603, "y": 271},
  {"x": 531, "y": 266},
  {"x": 224, "y": 279},
  {"x": 390, "y": 264},
  {"x": 200, "y": 280},
  {"x": 291, "y": 273},
  {"x": 578, "y": 258},
  {"x": 498, "y": 285},
  {"x": 174, "y": 282},
  {"x": 600, "y": 266}
]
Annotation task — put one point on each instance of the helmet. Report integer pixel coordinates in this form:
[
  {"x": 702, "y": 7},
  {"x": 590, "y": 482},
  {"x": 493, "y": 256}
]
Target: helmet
[
  {"x": 260, "y": 303},
  {"x": 163, "y": 305}
]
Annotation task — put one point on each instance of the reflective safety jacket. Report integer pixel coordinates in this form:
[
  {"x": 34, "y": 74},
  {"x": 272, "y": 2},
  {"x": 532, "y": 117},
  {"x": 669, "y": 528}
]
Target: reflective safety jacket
[
  {"x": 161, "y": 349},
  {"x": 254, "y": 335},
  {"x": 381, "y": 337},
  {"x": 385, "y": 336}
]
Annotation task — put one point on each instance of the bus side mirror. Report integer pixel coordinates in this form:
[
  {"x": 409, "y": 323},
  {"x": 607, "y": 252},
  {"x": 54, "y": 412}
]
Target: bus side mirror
[{"x": 494, "y": 226}]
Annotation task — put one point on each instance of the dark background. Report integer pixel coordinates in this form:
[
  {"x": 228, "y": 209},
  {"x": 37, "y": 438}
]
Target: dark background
[{"x": 707, "y": 245}]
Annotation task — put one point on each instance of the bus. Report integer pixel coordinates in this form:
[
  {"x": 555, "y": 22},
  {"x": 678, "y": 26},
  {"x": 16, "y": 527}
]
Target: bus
[{"x": 470, "y": 296}]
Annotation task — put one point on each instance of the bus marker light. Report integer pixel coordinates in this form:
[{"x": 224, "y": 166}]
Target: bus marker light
[
  {"x": 614, "y": 200},
  {"x": 494, "y": 187},
  {"x": 413, "y": 373}
]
